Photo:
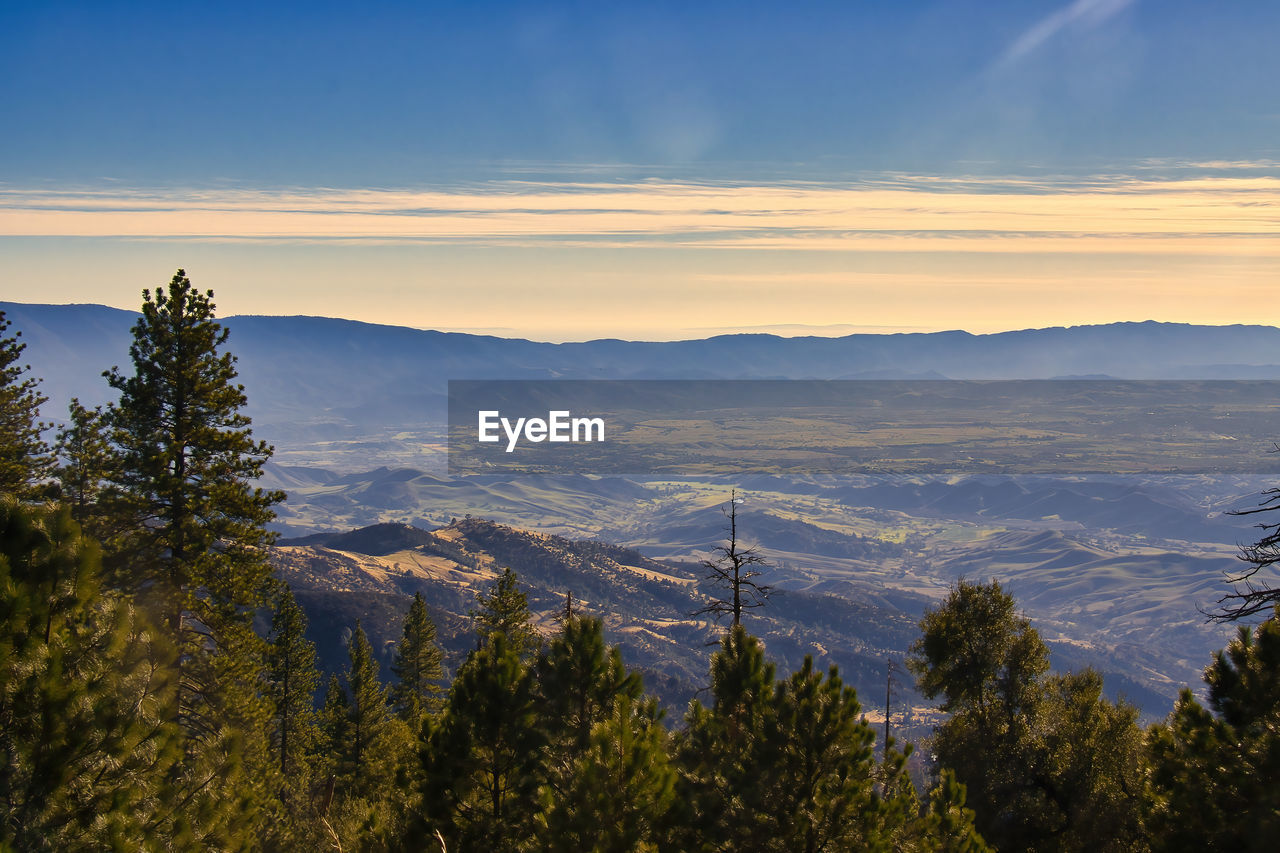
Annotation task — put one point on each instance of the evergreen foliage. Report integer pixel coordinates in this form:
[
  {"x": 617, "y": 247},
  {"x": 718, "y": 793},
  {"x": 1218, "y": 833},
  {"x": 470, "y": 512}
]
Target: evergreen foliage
[
  {"x": 504, "y": 609},
  {"x": 294, "y": 734},
  {"x": 85, "y": 458},
  {"x": 84, "y": 681},
  {"x": 948, "y": 825},
  {"x": 187, "y": 458},
  {"x": 141, "y": 709},
  {"x": 367, "y": 715},
  {"x": 25, "y": 459},
  {"x": 619, "y": 790},
  {"x": 775, "y": 766},
  {"x": 1048, "y": 763},
  {"x": 579, "y": 679},
  {"x": 483, "y": 760},
  {"x": 193, "y": 548},
  {"x": 333, "y": 722},
  {"x": 293, "y": 682},
  {"x": 418, "y": 665},
  {"x": 368, "y": 752},
  {"x": 1214, "y": 769}
]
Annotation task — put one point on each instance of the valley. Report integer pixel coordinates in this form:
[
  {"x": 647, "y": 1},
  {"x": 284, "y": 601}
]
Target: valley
[
  {"x": 1114, "y": 569},
  {"x": 1114, "y": 573}
]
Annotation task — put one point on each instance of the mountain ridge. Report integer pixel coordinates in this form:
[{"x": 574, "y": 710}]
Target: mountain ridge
[{"x": 298, "y": 369}]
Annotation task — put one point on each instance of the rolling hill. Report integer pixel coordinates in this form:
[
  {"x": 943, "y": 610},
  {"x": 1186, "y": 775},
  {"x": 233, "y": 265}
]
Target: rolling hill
[{"x": 370, "y": 574}]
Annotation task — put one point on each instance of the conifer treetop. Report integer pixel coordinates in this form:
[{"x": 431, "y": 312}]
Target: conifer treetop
[{"x": 24, "y": 456}]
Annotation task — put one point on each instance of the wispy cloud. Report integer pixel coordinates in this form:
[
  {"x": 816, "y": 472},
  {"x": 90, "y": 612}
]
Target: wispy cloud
[
  {"x": 1166, "y": 164},
  {"x": 1195, "y": 213},
  {"x": 1080, "y": 13}
]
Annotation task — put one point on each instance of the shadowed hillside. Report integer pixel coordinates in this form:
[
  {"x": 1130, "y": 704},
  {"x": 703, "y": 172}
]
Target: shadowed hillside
[{"x": 372, "y": 573}]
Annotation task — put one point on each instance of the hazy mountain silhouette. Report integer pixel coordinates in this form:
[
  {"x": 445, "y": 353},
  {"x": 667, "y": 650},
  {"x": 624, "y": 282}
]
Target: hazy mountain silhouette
[{"x": 360, "y": 374}]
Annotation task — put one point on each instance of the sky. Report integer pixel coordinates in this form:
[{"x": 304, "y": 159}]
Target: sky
[{"x": 566, "y": 171}]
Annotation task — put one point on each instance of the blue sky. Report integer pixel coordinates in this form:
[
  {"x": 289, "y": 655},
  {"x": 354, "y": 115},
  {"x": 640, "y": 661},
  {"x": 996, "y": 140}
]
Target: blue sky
[{"x": 888, "y": 122}]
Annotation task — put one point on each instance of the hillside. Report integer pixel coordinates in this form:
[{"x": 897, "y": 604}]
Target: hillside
[
  {"x": 1113, "y": 572},
  {"x": 1123, "y": 613},
  {"x": 370, "y": 574}
]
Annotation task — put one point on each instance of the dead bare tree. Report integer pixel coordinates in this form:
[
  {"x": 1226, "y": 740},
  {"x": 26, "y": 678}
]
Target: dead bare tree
[
  {"x": 734, "y": 571},
  {"x": 1249, "y": 596}
]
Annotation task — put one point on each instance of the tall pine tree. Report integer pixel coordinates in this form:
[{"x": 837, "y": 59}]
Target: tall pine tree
[
  {"x": 370, "y": 749},
  {"x": 719, "y": 752},
  {"x": 620, "y": 788},
  {"x": 194, "y": 548},
  {"x": 367, "y": 713},
  {"x": 294, "y": 679},
  {"x": 187, "y": 460},
  {"x": 579, "y": 680},
  {"x": 417, "y": 665},
  {"x": 24, "y": 456}
]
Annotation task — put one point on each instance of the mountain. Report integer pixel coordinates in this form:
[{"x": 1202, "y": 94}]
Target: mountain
[{"x": 340, "y": 377}]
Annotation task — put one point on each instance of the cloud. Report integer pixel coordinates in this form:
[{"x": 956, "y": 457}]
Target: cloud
[
  {"x": 1166, "y": 164},
  {"x": 1195, "y": 213},
  {"x": 1083, "y": 13}
]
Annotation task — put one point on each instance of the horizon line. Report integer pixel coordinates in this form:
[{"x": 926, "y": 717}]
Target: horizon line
[{"x": 720, "y": 331}]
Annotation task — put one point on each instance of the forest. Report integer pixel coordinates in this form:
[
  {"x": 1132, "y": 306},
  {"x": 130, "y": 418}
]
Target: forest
[{"x": 157, "y": 690}]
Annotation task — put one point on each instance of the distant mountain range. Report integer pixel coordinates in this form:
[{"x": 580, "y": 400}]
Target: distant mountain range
[{"x": 356, "y": 375}]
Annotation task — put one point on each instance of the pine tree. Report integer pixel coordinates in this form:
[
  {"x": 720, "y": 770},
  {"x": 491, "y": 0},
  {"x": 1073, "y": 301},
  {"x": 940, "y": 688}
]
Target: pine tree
[
  {"x": 948, "y": 826},
  {"x": 1214, "y": 769},
  {"x": 293, "y": 679},
  {"x": 369, "y": 752},
  {"x": 333, "y": 724},
  {"x": 721, "y": 750},
  {"x": 367, "y": 713},
  {"x": 789, "y": 765},
  {"x": 481, "y": 763},
  {"x": 504, "y": 609},
  {"x": 818, "y": 766},
  {"x": 24, "y": 457},
  {"x": 194, "y": 549},
  {"x": 418, "y": 665},
  {"x": 294, "y": 730},
  {"x": 85, "y": 459},
  {"x": 83, "y": 683},
  {"x": 579, "y": 681},
  {"x": 187, "y": 459},
  {"x": 620, "y": 789}
]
